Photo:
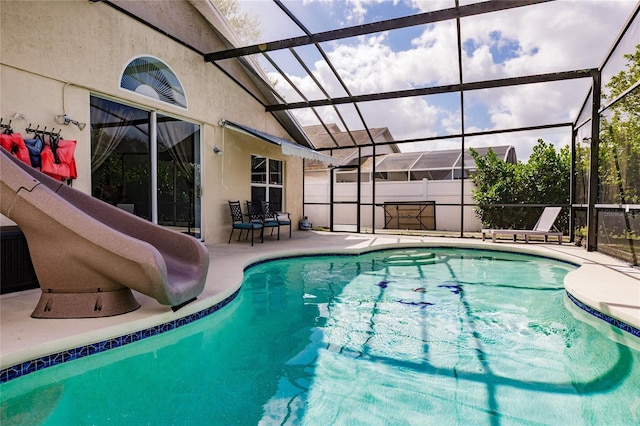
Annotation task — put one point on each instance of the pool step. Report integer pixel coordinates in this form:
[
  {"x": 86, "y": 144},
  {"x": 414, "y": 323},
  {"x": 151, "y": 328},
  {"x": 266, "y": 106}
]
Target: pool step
[{"x": 414, "y": 259}]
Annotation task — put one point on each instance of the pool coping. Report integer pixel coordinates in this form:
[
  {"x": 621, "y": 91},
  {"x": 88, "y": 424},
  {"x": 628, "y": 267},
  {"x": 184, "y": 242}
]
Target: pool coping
[{"x": 584, "y": 285}]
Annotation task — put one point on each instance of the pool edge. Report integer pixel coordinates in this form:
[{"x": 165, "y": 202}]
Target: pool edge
[
  {"x": 33, "y": 362},
  {"x": 46, "y": 361}
]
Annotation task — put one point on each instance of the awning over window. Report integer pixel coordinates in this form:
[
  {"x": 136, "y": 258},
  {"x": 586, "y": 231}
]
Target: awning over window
[{"x": 288, "y": 148}]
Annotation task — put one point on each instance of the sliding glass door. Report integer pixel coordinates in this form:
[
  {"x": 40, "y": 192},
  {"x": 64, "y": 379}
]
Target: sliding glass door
[
  {"x": 146, "y": 163},
  {"x": 178, "y": 174}
]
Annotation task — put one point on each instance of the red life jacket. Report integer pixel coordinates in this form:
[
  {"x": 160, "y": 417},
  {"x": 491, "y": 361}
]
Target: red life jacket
[
  {"x": 58, "y": 159},
  {"x": 14, "y": 143}
]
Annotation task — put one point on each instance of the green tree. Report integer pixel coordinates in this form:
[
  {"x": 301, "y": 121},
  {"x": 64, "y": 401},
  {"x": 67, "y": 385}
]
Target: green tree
[
  {"x": 497, "y": 182},
  {"x": 622, "y": 81},
  {"x": 544, "y": 179},
  {"x": 620, "y": 137},
  {"x": 547, "y": 174}
]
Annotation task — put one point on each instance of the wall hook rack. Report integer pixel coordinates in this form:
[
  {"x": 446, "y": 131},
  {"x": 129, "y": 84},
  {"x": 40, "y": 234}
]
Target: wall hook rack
[{"x": 37, "y": 130}]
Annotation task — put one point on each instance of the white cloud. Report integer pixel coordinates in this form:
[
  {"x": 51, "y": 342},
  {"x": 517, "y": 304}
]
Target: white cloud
[
  {"x": 419, "y": 119},
  {"x": 565, "y": 34},
  {"x": 550, "y": 37},
  {"x": 480, "y": 66}
]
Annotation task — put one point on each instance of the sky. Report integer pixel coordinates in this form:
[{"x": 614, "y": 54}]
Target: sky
[{"x": 551, "y": 37}]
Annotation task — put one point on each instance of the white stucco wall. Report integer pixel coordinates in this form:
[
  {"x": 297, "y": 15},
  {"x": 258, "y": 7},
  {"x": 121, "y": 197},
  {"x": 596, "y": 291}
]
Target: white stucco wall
[{"x": 56, "y": 54}]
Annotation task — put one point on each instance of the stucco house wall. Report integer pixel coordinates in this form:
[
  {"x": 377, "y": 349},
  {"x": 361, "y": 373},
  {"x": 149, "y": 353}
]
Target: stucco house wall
[{"x": 56, "y": 54}]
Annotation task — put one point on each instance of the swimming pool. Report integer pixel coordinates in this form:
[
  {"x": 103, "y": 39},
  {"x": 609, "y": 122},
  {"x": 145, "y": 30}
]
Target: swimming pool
[{"x": 442, "y": 336}]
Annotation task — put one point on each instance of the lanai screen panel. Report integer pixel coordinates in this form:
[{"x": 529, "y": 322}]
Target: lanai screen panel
[
  {"x": 525, "y": 105},
  {"x": 394, "y": 62},
  {"x": 406, "y": 79},
  {"x": 402, "y": 59},
  {"x": 289, "y": 76},
  {"x": 265, "y": 22},
  {"x": 416, "y": 117},
  {"x": 538, "y": 39},
  {"x": 617, "y": 62},
  {"x": 320, "y": 16},
  {"x": 315, "y": 60},
  {"x": 585, "y": 112},
  {"x": 349, "y": 118},
  {"x": 331, "y": 117}
]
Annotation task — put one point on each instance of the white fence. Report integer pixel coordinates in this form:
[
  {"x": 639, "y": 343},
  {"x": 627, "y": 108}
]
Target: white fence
[{"x": 442, "y": 192}]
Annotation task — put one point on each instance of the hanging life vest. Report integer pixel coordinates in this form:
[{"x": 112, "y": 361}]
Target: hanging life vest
[
  {"x": 35, "y": 147},
  {"x": 58, "y": 159},
  {"x": 14, "y": 143}
]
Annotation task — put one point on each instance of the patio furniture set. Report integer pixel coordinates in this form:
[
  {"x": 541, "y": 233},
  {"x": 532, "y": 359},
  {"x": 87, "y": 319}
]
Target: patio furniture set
[{"x": 259, "y": 215}]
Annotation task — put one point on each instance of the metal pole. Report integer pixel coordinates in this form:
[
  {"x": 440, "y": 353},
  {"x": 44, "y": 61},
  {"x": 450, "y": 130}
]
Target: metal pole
[
  {"x": 592, "y": 217},
  {"x": 303, "y": 190},
  {"x": 373, "y": 189},
  {"x": 572, "y": 183},
  {"x": 461, "y": 124},
  {"x": 359, "y": 192},
  {"x": 331, "y": 177},
  {"x": 153, "y": 146}
]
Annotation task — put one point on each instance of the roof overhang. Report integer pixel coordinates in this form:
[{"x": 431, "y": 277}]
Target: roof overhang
[{"x": 288, "y": 147}]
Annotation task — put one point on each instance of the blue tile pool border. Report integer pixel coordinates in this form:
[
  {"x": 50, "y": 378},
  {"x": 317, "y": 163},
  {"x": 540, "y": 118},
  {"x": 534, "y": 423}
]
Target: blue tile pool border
[
  {"x": 31, "y": 366},
  {"x": 604, "y": 317}
]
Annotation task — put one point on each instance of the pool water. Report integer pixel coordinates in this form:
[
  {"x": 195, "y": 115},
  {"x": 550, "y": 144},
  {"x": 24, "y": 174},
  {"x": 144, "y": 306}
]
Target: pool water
[{"x": 401, "y": 337}]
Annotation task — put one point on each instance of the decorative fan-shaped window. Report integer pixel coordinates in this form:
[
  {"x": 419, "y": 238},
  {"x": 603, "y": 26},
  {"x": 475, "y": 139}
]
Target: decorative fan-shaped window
[{"x": 154, "y": 79}]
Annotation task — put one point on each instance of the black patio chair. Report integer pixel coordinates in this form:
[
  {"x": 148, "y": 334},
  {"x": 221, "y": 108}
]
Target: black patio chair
[
  {"x": 238, "y": 222},
  {"x": 283, "y": 218},
  {"x": 257, "y": 214}
]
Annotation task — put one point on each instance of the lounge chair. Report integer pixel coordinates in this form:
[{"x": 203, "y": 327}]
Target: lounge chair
[
  {"x": 238, "y": 222},
  {"x": 283, "y": 218},
  {"x": 543, "y": 227},
  {"x": 257, "y": 215}
]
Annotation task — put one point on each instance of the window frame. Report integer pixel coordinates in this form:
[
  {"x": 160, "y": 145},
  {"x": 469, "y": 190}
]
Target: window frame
[
  {"x": 169, "y": 74},
  {"x": 268, "y": 185}
]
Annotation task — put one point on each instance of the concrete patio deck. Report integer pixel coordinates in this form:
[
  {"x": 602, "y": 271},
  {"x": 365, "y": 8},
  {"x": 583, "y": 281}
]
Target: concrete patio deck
[{"x": 602, "y": 283}]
